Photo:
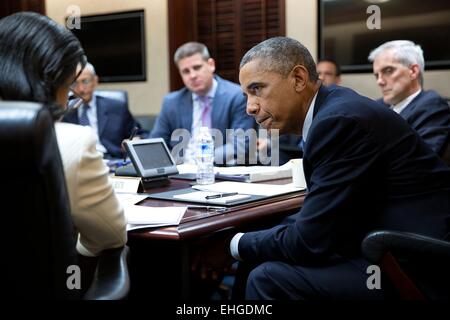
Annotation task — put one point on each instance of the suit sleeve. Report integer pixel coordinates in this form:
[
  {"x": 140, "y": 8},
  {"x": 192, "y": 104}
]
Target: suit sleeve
[
  {"x": 96, "y": 210},
  {"x": 432, "y": 123},
  {"x": 162, "y": 127},
  {"x": 341, "y": 155}
]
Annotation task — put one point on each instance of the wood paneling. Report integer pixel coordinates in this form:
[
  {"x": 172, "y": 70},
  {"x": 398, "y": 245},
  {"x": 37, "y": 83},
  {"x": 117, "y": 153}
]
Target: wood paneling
[
  {"x": 8, "y": 7},
  {"x": 228, "y": 27}
]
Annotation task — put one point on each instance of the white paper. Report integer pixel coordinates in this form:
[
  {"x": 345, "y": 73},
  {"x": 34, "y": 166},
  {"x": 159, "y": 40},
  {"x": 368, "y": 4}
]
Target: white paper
[
  {"x": 248, "y": 188},
  {"x": 130, "y": 198},
  {"x": 200, "y": 196},
  {"x": 143, "y": 216}
]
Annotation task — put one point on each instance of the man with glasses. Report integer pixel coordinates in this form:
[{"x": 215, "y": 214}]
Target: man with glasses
[
  {"x": 109, "y": 118},
  {"x": 398, "y": 67}
]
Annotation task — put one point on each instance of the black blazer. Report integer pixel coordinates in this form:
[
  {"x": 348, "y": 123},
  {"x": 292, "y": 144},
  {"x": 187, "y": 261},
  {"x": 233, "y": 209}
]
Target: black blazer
[
  {"x": 115, "y": 124},
  {"x": 365, "y": 169},
  {"x": 429, "y": 115}
]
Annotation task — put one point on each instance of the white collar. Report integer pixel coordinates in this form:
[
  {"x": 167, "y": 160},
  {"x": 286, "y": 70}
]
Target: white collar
[
  {"x": 404, "y": 103},
  {"x": 211, "y": 93},
  {"x": 309, "y": 118}
]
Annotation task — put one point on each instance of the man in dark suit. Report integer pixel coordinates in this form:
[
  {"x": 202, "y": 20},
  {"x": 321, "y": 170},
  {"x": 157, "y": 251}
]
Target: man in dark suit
[
  {"x": 398, "y": 67},
  {"x": 206, "y": 100},
  {"x": 365, "y": 169},
  {"x": 109, "y": 118}
]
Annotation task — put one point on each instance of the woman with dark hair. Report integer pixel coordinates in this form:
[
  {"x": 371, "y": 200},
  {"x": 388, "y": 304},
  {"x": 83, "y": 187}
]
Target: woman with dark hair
[{"x": 38, "y": 62}]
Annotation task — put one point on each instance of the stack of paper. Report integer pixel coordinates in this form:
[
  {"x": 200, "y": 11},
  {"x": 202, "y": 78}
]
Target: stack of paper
[
  {"x": 244, "y": 174},
  {"x": 255, "y": 173},
  {"x": 148, "y": 217}
]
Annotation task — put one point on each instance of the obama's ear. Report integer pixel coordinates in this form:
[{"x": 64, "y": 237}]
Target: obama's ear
[{"x": 300, "y": 77}]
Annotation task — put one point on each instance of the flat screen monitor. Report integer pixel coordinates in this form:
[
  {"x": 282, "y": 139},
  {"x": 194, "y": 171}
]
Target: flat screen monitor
[
  {"x": 151, "y": 157},
  {"x": 344, "y": 34},
  {"x": 115, "y": 44}
]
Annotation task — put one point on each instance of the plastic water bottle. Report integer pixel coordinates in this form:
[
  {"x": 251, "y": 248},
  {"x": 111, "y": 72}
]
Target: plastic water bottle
[{"x": 205, "y": 157}]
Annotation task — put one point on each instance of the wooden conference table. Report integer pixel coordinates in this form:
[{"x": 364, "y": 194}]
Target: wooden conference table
[{"x": 161, "y": 257}]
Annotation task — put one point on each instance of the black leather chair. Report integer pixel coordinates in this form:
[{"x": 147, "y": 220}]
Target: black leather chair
[
  {"x": 417, "y": 266},
  {"x": 38, "y": 237}
]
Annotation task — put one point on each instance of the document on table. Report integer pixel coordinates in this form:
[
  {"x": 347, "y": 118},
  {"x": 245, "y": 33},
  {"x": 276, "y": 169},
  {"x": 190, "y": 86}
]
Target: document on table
[
  {"x": 139, "y": 217},
  {"x": 243, "y": 173},
  {"x": 200, "y": 196},
  {"x": 254, "y": 173},
  {"x": 258, "y": 189}
]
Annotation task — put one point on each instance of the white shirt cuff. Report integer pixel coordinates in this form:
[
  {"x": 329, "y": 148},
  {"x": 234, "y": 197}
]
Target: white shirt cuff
[{"x": 234, "y": 246}]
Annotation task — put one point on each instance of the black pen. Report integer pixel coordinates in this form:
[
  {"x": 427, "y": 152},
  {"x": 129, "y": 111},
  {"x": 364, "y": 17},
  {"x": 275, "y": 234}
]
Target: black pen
[{"x": 221, "y": 195}]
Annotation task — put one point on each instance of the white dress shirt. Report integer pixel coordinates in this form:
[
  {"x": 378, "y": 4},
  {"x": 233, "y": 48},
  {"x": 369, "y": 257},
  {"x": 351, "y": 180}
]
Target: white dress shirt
[
  {"x": 189, "y": 155},
  {"x": 404, "y": 103},
  {"x": 234, "y": 244}
]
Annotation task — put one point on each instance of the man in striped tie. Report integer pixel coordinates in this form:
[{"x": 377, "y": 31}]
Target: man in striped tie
[{"x": 207, "y": 100}]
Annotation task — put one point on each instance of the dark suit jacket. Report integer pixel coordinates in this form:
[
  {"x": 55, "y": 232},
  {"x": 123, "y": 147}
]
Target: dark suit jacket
[
  {"x": 366, "y": 169},
  {"x": 115, "y": 124},
  {"x": 429, "y": 115},
  {"x": 229, "y": 112}
]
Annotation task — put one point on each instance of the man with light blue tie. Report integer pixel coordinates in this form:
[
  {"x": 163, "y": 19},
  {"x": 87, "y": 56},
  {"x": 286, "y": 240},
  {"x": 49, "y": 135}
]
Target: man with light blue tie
[
  {"x": 109, "y": 118},
  {"x": 206, "y": 100}
]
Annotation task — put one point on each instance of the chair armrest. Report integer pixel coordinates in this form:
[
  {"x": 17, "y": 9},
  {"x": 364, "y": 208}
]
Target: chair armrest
[
  {"x": 376, "y": 244},
  {"x": 111, "y": 279}
]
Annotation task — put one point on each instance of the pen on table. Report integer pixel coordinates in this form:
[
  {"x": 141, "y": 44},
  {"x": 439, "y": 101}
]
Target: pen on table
[
  {"x": 221, "y": 195},
  {"x": 133, "y": 133}
]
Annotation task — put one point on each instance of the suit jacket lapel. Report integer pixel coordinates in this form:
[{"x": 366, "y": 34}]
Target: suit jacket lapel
[
  {"x": 321, "y": 95},
  {"x": 217, "y": 111},
  {"x": 186, "y": 113},
  {"x": 410, "y": 107},
  {"x": 102, "y": 116}
]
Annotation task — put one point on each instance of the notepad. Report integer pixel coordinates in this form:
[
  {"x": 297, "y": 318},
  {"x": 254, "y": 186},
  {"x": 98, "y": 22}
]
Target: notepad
[{"x": 200, "y": 196}]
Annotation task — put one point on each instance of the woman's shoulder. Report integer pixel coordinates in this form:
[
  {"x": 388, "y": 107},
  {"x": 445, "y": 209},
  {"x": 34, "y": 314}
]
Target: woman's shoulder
[{"x": 73, "y": 132}]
